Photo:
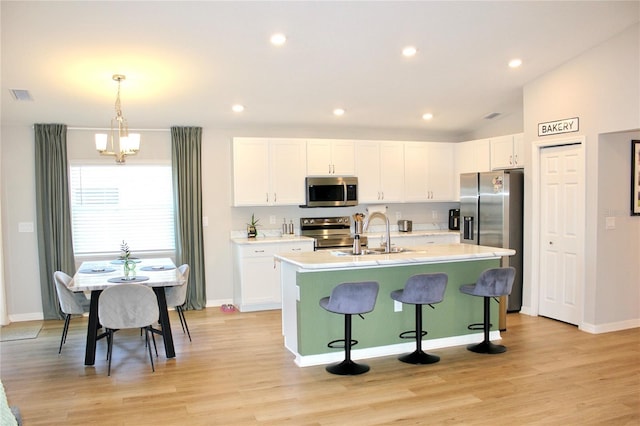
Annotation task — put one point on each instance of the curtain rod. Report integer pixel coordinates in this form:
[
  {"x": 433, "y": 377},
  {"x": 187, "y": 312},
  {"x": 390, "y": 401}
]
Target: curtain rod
[{"x": 107, "y": 129}]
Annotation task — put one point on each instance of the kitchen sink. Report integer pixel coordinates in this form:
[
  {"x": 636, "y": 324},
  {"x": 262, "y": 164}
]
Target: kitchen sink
[
  {"x": 372, "y": 251},
  {"x": 380, "y": 250}
]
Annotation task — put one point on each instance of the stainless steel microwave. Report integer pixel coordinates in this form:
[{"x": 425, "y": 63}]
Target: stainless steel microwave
[{"x": 331, "y": 191}]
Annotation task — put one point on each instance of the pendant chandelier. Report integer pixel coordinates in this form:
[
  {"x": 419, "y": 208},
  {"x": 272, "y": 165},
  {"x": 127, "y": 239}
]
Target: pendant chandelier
[{"x": 127, "y": 143}]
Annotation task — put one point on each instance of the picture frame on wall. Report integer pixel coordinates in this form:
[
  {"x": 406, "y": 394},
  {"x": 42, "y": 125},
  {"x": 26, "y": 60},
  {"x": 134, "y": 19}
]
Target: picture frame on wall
[{"x": 635, "y": 178}]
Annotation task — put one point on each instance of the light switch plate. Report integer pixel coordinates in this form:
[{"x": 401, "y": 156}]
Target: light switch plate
[
  {"x": 610, "y": 222},
  {"x": 397, "y": 306},
  {"x": 25, "y": 227}
]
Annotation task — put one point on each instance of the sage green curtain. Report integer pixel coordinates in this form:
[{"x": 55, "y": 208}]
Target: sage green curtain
[
  {"x": 55, "y": 245},
  {"x": 187, "y": 189}
]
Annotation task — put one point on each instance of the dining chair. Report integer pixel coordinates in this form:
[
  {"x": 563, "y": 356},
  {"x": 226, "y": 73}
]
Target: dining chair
[
  {"x": 68, "y": 302},
  {"x": 127, "y": 306},
  {"x": 176, "y": 296}
]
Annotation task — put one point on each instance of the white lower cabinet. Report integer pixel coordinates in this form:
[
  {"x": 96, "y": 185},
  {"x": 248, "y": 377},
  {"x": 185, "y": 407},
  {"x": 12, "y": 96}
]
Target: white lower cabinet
[{"x": 256, "y": 284}]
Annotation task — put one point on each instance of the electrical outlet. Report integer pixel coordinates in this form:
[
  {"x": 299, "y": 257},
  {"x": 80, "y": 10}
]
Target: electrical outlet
[
  {"x": 272, "y": 220},
  {"x": 397, "y": 306},
  {"x": 398, "y": 215},
  {"x": 434, "y": 214}
]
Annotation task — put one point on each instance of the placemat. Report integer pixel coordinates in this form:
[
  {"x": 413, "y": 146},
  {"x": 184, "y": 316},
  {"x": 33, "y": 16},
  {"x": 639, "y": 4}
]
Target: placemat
[
  {"x": 158, "y": 268},
  {"x": 97, "y": 270},
  {"x": 122, "y": 280}
]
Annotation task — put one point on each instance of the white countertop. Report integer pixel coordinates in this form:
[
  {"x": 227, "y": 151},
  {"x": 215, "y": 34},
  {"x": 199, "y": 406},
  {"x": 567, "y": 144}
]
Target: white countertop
[
  {"x": 270, "y": 239},
  {"x": 437, "y": 253},
  {"x": 414, "y": 233},
  {"x": 276, "y": 237}
]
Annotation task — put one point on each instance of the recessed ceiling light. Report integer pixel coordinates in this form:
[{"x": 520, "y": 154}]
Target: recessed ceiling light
[
  {"x": 427, "y": 116},
  {"x": 338, "y": 111},
  {"x": 409, "y": 51},
  {"x": 515, "y": 63},
  {"x": 237, "y": 108},
  {"x": 278, "y": 39}
]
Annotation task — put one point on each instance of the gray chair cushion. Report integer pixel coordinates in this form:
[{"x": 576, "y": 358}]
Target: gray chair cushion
[
  {"x": 177, "y": 295},
  {"x": 422, "y": 289},
  {"x": 70, "y": 302},
  {"x": 352, "y": 298},
  {"x": 492, "y": 283},
  {"x": 127, "y": 306}
]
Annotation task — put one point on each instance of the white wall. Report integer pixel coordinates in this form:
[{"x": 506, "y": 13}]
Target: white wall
[
  {"x": 618, "y": 274},
  {"x": 602, "y": 88},
  {"x": 19, "y": 205}
]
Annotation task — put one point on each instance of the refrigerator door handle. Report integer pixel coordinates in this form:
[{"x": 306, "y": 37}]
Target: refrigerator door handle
[{"x": 468, "y": 228}]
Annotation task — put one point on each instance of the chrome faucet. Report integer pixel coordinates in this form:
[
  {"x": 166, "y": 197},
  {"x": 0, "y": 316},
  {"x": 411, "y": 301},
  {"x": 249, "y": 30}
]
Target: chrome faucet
[{"x": 387, "y": 243}]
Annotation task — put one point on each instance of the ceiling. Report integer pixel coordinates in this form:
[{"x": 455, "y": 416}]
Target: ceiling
[{"x": 187, "y": 63}]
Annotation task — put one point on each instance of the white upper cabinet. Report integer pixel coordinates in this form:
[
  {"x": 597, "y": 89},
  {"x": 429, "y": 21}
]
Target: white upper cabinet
[
  {"x": 268, "y": 172},
  {"x": 380, "y": 171},
  {"x": 429, "y": 171},
  {"x": 327, "y": 157},
  {"x": 507, "y": 152},
  {"x": 471, "y": 157}
]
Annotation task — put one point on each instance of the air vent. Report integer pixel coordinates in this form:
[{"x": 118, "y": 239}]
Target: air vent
[
  {"x": 21, "y": 95},
  {"x": 492, "y": 115}
]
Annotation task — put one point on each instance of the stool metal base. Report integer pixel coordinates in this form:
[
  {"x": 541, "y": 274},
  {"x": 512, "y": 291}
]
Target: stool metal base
[
  {"x": 487, "y": 348},
  {"x": 419, "y": 357},
  {"x": 347, "y": 368}
]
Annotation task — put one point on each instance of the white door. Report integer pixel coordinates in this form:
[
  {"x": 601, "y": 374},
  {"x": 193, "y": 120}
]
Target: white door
[{"x": 561, "y": 233}]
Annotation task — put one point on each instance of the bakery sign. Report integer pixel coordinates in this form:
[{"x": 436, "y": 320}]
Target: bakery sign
[{"x": 567, "y": 125}]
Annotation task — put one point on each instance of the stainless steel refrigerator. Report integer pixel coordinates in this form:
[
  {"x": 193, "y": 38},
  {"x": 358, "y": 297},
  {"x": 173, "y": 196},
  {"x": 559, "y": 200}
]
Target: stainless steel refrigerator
[{"x": 491, "y": 214}]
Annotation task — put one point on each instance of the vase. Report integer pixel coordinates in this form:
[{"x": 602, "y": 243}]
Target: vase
[
  {"x": 129, "y": 269},
  {"x": 251, "y": 231}
]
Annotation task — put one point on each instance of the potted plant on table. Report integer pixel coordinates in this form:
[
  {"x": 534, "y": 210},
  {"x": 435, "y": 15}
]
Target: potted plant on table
[{"x": 252, "y": 227}]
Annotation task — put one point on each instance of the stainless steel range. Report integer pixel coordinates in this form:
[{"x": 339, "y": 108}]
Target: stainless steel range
[{"x": 329, "y": 232}]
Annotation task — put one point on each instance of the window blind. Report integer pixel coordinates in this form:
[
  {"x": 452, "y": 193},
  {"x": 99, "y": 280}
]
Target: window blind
[{"x": 110, "y": 204}]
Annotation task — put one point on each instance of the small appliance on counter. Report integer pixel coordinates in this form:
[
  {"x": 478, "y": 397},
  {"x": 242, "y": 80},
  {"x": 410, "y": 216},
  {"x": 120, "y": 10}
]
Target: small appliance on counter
[
  {"x": 454, "y": 219},
  {"x": 405, "y": 225}
]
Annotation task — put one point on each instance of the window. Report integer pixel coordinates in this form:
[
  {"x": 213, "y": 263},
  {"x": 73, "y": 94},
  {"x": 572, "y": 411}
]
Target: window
[{"x": 110, "y": 204}]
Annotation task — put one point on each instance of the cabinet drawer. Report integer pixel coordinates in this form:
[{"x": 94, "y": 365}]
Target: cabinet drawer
[{"x": 268, "y": 250}]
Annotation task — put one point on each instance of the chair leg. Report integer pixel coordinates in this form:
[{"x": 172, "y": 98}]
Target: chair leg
[
  {"x": 146, "y": 336},
  {"x": 65, "y": 330},
  {"x": 153, "y": 337},
  {"x": 418, "y": 356},
  {"x": 183, "y": 321},
  {"x": 486, "y": 347},
  {"x": 109, "y": 349},
  {"x": 179, "y": 311},
  {"x": 347, "y": 367}
]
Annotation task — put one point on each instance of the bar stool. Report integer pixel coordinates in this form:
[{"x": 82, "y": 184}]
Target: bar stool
[
  {"x": 492, "y": 283},
  {"x": 421, "y": 289},
  {"x": 348, "y": 299}
]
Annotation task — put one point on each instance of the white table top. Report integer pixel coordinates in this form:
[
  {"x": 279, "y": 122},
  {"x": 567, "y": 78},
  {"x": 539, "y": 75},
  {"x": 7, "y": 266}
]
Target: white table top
[
  {"x": 100, "y": 280},
  {"x": 436, "y": 253}
]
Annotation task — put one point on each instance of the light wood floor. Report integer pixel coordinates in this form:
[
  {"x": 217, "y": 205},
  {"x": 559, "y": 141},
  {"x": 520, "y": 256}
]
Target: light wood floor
[{"x": 237, "y": 371}]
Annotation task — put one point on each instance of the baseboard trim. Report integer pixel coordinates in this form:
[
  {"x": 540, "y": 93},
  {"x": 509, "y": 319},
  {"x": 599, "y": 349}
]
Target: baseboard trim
[
  {"x": 609, "y": 327},
  {"x": 26, "y": 317},
  {"x": 397, "y": 349}
]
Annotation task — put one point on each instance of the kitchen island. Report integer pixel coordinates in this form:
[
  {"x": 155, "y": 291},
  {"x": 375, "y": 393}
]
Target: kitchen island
[{"x": 307, "y": 277}]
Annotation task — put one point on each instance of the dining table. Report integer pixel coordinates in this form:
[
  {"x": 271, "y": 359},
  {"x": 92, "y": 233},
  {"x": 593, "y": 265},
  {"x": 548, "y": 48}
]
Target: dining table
[{"x": 95, "y": 276}]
